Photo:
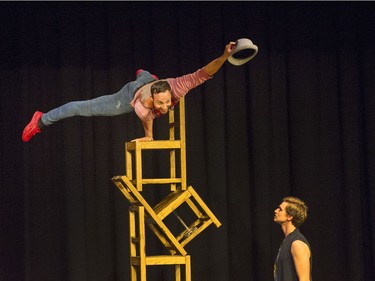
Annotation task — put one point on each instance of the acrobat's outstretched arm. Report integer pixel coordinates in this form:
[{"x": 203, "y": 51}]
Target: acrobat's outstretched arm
[{"x": 214, "y": 66}]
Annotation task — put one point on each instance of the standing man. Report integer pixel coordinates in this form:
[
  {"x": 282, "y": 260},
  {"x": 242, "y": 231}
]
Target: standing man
[{"x": 294, "y": 261}]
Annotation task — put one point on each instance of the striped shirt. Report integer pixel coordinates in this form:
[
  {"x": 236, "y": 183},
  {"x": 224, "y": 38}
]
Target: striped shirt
[{"x": 180, "y": 87}]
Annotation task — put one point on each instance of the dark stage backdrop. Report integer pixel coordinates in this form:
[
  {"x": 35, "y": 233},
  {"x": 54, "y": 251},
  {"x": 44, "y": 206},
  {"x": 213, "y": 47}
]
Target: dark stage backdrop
[{"x": 297, "y": 120}]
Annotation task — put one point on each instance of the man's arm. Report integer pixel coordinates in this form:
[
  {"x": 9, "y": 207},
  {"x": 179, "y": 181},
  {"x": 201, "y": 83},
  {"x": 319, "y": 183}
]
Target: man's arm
[
  {"x": 147, "y": 126},
  {"x": 214, "y": 66},
  {"x": 183, "y": 84},
  {"x": 301, "y": 256}
]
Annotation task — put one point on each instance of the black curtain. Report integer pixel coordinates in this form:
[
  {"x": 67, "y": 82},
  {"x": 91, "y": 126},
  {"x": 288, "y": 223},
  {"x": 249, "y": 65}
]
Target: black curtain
[{"x": 296, "y": 120}]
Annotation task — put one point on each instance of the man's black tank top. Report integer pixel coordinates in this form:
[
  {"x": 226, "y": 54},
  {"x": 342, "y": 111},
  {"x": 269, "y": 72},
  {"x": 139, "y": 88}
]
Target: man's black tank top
[{"x": 284, "y": 269}]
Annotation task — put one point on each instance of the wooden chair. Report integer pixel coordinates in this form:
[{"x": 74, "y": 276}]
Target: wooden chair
[
  {"x": 133, "y": 150},
  {"x": 174, "y": 243},
  {"x": 138, "y": 259}
]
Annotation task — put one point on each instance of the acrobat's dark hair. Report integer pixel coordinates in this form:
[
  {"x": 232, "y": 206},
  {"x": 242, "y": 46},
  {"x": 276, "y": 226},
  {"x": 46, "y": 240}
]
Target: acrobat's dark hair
[{"x": 160, "y": 86}]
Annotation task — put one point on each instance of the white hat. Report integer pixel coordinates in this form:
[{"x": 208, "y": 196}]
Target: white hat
[{"x": 249, "y": 50}]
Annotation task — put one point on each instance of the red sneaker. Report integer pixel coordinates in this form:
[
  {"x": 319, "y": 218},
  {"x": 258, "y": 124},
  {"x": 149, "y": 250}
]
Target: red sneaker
[
  {"x": 140, "y": 70},
  {"x": 32, "y": 128}
]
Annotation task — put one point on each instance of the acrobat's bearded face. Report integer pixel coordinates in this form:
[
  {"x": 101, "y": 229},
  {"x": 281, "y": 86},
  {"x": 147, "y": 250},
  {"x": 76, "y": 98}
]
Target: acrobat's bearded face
[{"x": 162, "y": 101}]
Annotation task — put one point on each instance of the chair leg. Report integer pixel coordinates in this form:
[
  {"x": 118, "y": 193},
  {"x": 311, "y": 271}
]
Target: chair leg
[
  {"x": 187, "y": 268},
  {"x": 178, "y": 272}
]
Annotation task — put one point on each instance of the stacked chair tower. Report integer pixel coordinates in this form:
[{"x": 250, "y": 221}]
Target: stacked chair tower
[{"x": 141, "y": 213}]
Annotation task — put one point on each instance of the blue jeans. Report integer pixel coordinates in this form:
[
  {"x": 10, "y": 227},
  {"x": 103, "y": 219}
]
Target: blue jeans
[{"x": 108, "y": 105}]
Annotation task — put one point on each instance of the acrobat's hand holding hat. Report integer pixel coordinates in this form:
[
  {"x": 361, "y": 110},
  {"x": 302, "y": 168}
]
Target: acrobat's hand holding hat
[{"x": 244, "y": 51}]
